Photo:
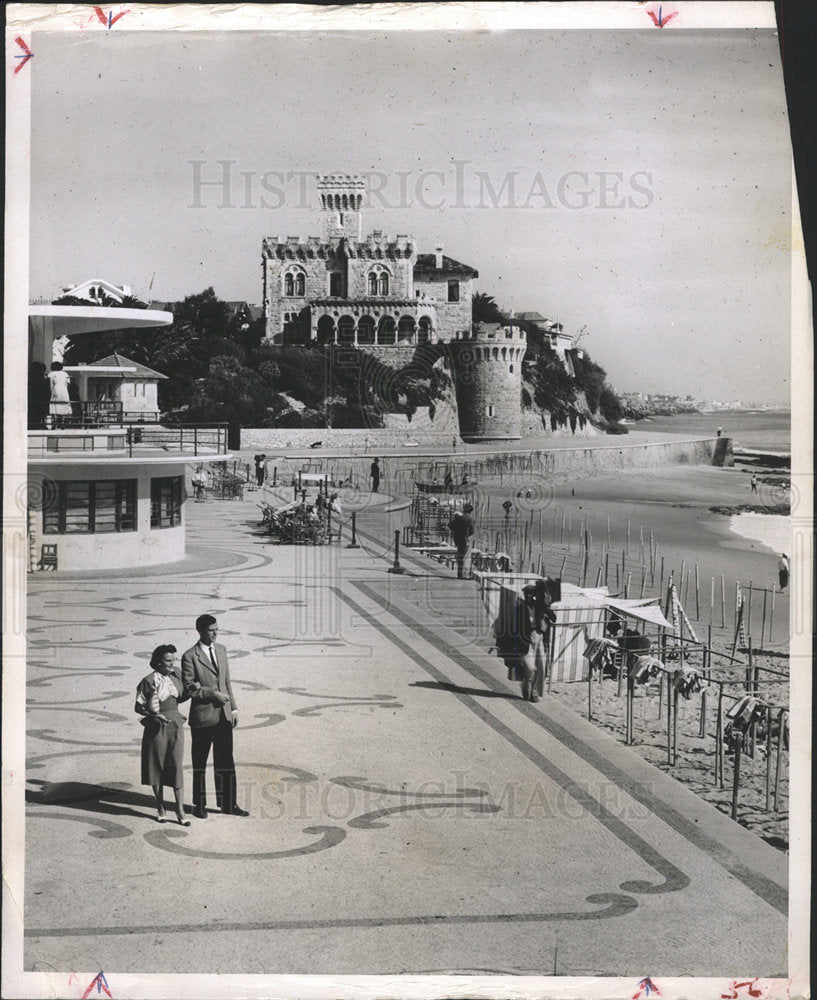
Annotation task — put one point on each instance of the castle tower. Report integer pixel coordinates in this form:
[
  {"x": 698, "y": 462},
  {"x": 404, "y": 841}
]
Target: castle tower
[
  {"x": 342, "y": 197},
  {"x": 487, "y": 370}
]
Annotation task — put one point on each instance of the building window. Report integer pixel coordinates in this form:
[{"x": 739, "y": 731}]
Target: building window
[
  {"x": 336, "y": 284},
  {"x": 166, "y": 498},
  {"x": 92, "y": 507},
  {"x": 295, "y": 284},
  {"x": 510, "y": 369},
  {"x": 453, "y": 291},
  {"x": 489, "y": 409},
  {"x": 378, "y": 282}
]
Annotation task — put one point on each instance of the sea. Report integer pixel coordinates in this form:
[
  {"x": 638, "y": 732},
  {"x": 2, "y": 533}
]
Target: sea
[
  {"x": 751, "y": 430},
  {"x": 767, "y": 431}
]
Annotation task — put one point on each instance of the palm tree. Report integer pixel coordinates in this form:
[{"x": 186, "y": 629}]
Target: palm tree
[{"x": 484, "y": 309}]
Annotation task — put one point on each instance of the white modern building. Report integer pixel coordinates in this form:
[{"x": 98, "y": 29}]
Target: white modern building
[{"x": 107, "y": 495}]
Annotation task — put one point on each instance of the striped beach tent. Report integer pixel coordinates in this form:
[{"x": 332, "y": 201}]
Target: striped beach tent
[{"x": 579, "y": 617}]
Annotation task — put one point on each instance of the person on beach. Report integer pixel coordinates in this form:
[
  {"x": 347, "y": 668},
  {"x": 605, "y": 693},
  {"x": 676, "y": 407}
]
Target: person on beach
[
  {"x": 454, "y": 443},
  {"x": 374, "y": 475},
  {"x": 448, "y": 482},
  {"x": 213, "y": 716},
  {"x": 720, "y": 431},
  {"x": 157, "y": 701},
  {"x": 783, "y": 571},
  {"x": 461, "y": 527},
  {"x": 754, "y": 484}
]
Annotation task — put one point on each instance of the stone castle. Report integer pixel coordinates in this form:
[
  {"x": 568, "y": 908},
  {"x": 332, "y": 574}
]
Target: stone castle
[{"x": 380, "y": 296}]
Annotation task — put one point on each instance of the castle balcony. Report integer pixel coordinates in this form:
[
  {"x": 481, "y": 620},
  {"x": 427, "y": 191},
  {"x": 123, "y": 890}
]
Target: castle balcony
[{"x": 374, "y": 321}]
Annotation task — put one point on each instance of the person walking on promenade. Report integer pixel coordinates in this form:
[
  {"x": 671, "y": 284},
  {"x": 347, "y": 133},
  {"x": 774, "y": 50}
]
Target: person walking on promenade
[
  {"x": 454, "y": 443},
  {"x": 213, "y": 716},
  {"x": 260, "y": 469},
  {"x": 754, "y": 483},
  {"x": 374, "y": 475},
  {"x": 461, "y": 527},
  {"x": 157, "y": 701},
  {"x": 540, "y": 618},
  {"x": 783, "y": 571}
]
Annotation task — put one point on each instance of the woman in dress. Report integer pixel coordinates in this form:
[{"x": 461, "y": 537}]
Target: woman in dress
[
  {"x": 157, "y": 699},
  {"x": 60, "y": 402}
]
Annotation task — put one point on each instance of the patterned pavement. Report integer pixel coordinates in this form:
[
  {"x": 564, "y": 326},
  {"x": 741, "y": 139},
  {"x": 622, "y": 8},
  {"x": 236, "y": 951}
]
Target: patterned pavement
[{"x": 408, "y": 812}]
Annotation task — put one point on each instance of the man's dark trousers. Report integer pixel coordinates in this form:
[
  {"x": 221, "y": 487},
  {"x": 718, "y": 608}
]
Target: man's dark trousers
[{"x": 220, "y": 738}]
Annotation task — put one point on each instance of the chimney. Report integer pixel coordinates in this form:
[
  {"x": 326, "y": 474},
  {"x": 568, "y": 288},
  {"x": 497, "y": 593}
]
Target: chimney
[{"x": 438, "y": 257}]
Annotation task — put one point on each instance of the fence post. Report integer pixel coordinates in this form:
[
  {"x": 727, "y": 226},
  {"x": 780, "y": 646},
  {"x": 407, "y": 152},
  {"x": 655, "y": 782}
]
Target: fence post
[
  {"x": 396, "y": 568},
  {"x": 196, "y": 443},
  {"x": 353, "y": 544},
  {"x": 779, "y": 755}
]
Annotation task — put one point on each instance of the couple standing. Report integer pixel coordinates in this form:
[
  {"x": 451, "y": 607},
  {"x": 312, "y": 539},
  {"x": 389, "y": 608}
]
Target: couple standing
[{"x": 205, "y": 679}]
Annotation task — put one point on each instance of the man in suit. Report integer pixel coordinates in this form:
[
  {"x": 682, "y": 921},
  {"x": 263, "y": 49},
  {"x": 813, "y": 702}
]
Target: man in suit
[{"x": 213, "y": 716}]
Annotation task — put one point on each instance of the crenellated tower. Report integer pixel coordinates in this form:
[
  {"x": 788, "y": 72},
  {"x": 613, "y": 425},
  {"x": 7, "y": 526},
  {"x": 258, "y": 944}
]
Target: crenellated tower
[
  {"x": 342, "y": 197},
  {"x": 487, "y": 369}
]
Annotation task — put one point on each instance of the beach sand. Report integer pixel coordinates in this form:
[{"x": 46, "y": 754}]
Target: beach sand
[{"x": 674, "y": 503}]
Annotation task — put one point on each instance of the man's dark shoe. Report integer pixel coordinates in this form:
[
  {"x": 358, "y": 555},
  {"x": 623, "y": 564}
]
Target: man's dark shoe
[
  {"x": 200, "y": 812},
  {"x": 235, "y": 811}
]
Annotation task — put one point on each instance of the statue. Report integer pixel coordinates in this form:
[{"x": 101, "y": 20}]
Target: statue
[{"x": 59, "y": 347}]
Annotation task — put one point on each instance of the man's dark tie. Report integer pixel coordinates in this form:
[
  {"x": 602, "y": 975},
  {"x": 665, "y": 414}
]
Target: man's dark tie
[{"x": 213, "y": 659}]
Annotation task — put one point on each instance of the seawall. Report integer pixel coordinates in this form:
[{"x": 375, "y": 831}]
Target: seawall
[{"x": 422, "y": 465}]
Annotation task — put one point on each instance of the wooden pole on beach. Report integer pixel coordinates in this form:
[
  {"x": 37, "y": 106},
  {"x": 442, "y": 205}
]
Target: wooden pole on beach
[
  {"x": 736, "y": 778},
  {"x": 652, "y": 561},
  {"x": 697, "y": 606},
  {"x": 719, "y": 739},
  {"x": 661, "y": 582},
  {"x": 562, "y": 570},
  {"x": 749, "y": 609},
  {"x": 606, "y": 566},
  {"x": 711, "y": 608},
  {"x": 723, "y": 602},
  {"x": 771, "y": 611},
  {"x": 763, "y": 623},
  {"x": 669, "y": 720},
  {"x": 768, "y": 757},
  {"x": 608, "y": 531},
  {"x": 781, "y": 717},
  {"x": 643, "y": 578},
  {"x": 627, "y": 587}
]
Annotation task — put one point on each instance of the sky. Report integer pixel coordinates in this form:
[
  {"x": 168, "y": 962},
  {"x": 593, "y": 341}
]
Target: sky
[{"x": 631, "y": 184}]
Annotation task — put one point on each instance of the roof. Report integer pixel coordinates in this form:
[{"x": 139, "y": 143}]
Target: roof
[
  {"x": 428, "y": 262},
  {"x": 119, "y": 361},
  {"x": 531, "y": 317}
]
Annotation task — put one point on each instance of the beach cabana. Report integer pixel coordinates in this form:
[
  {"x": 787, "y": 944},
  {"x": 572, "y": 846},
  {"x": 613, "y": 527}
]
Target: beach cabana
[{"x": 580, "y": 617}]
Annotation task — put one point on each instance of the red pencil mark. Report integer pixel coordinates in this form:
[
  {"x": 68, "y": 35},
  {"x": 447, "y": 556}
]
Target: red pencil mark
[
  {"x": 108, "y": 19},
  {"x": 661, "y": 19},
  {"x": 27, "y": 54},
  {"x": 736, "y": 987},
  {"x": 101, "y": 984},
  {"x": 647, "y": 987}
]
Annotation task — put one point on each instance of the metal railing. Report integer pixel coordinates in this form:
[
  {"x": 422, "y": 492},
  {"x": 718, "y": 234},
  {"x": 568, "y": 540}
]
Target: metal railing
[
  {"x": 135, "y": 439},
  {"x": 193, "y": 439}
]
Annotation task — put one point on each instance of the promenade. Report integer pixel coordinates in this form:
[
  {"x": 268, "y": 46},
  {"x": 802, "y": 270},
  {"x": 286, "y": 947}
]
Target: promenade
[{"x": 409, "y": 813}]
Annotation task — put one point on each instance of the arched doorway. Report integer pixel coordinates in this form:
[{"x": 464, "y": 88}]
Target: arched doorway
[
  {"x": 365, "y": 330},
  {"x": 346, "y": 330},
  {"x": 406, "y": 330},
  {"x": 386, "y": 331},
  {"x": 326, "y": 330},
  {"x": 424, "y": 331}
]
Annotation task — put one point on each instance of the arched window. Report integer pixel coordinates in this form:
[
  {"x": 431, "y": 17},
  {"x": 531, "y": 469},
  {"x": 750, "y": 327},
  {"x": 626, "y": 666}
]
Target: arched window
[
  {"x": 295, "y": 283},
  {"x": 378, "y": 282}
]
